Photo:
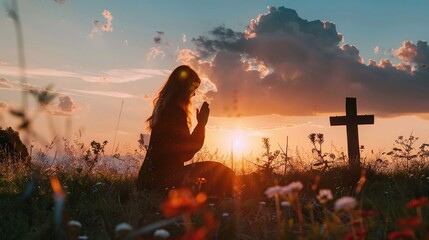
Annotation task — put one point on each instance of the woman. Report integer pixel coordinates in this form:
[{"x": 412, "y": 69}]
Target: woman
[{"x": 171, "y": 143}]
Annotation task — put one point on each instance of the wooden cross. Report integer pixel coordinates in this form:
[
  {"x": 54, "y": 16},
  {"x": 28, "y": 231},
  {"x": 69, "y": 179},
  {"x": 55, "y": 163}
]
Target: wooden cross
[{"x": 352, "y": 120}]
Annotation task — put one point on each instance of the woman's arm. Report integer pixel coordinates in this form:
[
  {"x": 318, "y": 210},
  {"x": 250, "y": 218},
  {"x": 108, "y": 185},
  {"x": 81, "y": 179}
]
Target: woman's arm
[{"x": 183, "y": 144}]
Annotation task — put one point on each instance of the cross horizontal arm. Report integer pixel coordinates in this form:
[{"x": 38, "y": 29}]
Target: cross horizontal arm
[
  {"x": 365, "y": 119},
  {"x": 337, "y": 121}
]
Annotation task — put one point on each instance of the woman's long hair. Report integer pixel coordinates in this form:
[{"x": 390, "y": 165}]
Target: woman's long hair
[{"x": 178, "y": 89}]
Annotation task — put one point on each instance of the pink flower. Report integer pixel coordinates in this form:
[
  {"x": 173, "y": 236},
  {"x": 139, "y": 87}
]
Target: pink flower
[
  {"x": 325, "y": 195},
  {"x": 296, "y": 186},
  {"x": 345, "y": 203},
  {"x": 271, "y": 191}
]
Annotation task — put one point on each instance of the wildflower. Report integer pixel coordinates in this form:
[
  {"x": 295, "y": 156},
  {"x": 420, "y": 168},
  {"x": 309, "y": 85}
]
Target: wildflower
[
  {"x": 123, "y": 227},
  {"x": 225, "y": 215},
  {"x": 59, "y": 194},
  {"x": 325, "y": 195},
  {"x": 345, "y": 203},
  {"x": 161, "y": 233},
  {"x": 285, "y": 204},
  {"x": 262, "y": 203},
  {"x": 286, "y": 190},
  {"x": 296, "y": 186},
  {"x": 74, "y": 223},
  {"x": 271, "y": 191},
  {"x": 59, "y": 198},
  {"x": 182, "y": 201},
  {"x": 410, "y": 222},
  {"x": 423, "y": 201},
  {"x": 403, "y": 234}
]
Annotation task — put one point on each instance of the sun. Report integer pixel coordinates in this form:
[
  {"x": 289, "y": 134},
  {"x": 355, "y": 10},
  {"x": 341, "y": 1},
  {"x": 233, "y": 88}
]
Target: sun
[{"x": 238, "y": 142}]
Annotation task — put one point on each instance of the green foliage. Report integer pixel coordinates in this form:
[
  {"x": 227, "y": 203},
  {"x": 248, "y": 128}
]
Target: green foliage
[{"x": 11, "y": 146}]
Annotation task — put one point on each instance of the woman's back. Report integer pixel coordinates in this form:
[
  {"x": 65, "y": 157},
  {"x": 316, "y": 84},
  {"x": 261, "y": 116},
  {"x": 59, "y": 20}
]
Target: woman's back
[{"x": 171, "y": 145}]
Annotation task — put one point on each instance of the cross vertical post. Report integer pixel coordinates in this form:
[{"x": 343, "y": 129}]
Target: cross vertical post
[{"x": 352, "y": 120}]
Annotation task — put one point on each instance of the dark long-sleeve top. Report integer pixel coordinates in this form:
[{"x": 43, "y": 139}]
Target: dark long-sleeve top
[{"x": 171, "y": 145}]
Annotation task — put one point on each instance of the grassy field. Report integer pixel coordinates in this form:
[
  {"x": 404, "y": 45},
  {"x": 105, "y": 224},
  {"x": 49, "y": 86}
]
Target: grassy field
[{"x": 96, "y": 203}]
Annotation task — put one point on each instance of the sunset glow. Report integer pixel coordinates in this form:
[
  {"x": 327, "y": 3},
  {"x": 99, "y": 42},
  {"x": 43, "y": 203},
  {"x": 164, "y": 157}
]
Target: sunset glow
[{"x": 258, "y": 84}]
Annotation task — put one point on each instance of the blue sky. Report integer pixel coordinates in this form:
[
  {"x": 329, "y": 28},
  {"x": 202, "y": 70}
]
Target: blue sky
[{"x": 94, "y": 73}]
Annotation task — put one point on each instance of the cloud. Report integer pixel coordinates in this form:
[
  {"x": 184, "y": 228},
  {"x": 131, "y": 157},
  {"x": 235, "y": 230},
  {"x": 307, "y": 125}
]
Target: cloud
[
  {"x": 107, "y": 76},
  {"x": 105, "y": 93},
  {"x": 154, "y": 53},
  {"x": 4, "y": 83},
  {"x": 158, "y": 38},
  {"x": 283, "y": 64},
  {"x": 377, "y": 50},
  {"x": 65, "y": 106},
  {"x": 107, "y": 27},
  {"x": 95, "y": 29},
  {"x": 414, "y": 53}
]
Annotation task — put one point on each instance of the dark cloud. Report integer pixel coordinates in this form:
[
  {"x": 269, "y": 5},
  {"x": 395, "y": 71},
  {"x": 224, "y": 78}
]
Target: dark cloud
[
  {"x": 4, "y": 83},
  {"x": 283, "y": 64},
  {"x": 158, "y": 38},
  {"x": 66, "y": 104},
  {"x": 65, "y": 107}
]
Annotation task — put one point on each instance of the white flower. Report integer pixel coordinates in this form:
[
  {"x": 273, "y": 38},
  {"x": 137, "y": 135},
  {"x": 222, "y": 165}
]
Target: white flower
[
  {"x": 123, "y": 227},
  {"x": 225, "y": 214},
  {"x": 285, "y": 204},
  {"x": 345, "y": 203},
  {"x": 271, "y": 191},
  {"x": 286, "y": 190},
  {"x": 262, "y": 203},
  {"x": 296, "y": 186},
  {"x": 74, "y": 223},
  {"x": 161, "y": 233},
  {"x": 324, "y": 195}
]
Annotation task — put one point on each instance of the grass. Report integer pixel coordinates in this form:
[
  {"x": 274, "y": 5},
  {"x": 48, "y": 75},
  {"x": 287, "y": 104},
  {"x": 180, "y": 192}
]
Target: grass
[{"x": 100, "y": 200}]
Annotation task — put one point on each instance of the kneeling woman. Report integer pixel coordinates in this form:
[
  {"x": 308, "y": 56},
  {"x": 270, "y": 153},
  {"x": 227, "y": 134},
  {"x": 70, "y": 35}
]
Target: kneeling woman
[{"x": 171, "y": 142}]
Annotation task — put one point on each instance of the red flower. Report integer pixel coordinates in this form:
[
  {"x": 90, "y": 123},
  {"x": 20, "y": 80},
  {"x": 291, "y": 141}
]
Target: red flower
[
  {"x": 403, "y": 234},
  {"x": 182, "y": 201},
  {"x": 410, "y": 222},
  {"x": 423, "y": 201}
]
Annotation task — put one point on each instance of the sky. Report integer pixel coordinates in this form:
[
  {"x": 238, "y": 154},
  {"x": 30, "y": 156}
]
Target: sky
[{"x": 274, "y": 69}]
